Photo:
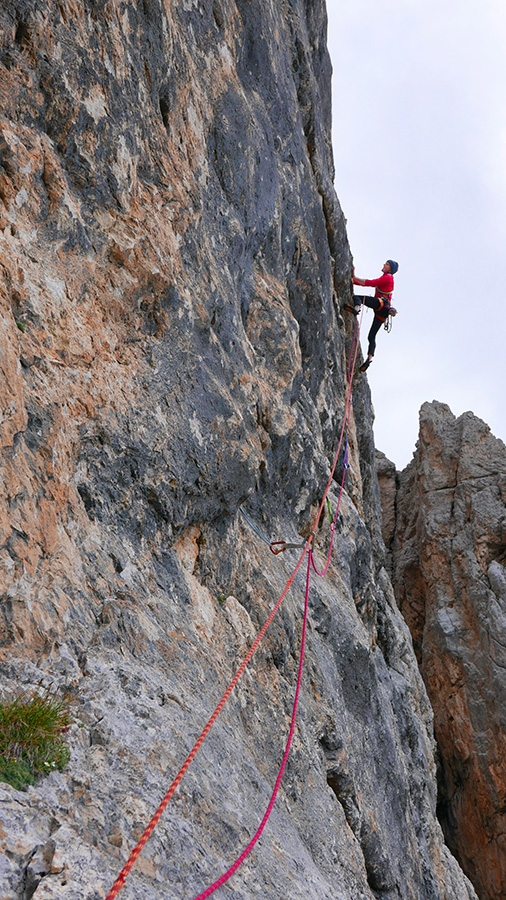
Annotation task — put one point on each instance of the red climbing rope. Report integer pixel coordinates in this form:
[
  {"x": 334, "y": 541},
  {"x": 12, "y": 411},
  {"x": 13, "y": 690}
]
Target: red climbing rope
[
  {"x": 322, "y": 573},
  {"x": 118, "y": 884},
  {"x": 347, "y": 412},
  {"x": 354, "y": 346},
  {"x": 120, "y": 880}
]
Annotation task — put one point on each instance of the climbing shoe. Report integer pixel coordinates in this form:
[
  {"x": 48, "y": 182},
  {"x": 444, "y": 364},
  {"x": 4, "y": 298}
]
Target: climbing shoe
[
  {"x": 351, "y": 309},
  {"x": 365, "y": 365}
]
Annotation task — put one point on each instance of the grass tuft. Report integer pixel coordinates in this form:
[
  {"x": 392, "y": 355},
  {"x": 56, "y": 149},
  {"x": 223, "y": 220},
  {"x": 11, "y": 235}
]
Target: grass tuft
[{"x": 32, "y": 742}]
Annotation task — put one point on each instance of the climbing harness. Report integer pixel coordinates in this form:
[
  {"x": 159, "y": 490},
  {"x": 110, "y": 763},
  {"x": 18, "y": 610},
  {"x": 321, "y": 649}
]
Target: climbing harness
[
  {"x": 385, "y": 297},
  {"x": 306, "y": 548}
]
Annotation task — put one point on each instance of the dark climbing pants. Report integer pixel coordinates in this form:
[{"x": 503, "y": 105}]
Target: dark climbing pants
[{"x": 372, "y": 303}]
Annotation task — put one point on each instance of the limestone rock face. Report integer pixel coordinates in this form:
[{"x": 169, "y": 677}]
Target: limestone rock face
[
  {"x": 387, "y": 484},
  {"x": 173, "y": 262},
  {"x": 450, "y": 581}
]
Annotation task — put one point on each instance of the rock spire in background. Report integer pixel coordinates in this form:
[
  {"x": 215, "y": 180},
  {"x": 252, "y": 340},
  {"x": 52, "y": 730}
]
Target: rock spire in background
[{"x": 448, "y": 544}]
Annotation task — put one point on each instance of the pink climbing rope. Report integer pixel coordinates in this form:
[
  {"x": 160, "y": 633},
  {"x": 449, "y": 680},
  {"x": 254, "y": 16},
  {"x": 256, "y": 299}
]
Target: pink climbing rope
[{"x": 240, "y": 859}]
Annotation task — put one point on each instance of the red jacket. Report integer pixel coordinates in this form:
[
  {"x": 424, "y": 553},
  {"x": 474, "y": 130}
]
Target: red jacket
[
  {"x": 384, "y": 289},
  {"x": 384, "y": 285}
]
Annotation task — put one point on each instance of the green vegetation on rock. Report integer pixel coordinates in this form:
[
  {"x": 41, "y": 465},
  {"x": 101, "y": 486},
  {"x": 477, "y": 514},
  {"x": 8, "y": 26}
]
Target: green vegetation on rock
[{"x": 32, "y": 742}]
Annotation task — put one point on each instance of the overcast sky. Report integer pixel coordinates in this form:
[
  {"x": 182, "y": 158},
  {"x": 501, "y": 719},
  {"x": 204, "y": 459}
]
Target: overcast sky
[{"x": 419, "y": 132}]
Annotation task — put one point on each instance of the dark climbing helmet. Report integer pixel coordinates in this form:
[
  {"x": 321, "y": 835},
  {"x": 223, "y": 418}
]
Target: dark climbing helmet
[{"x": 393, "y": 266}]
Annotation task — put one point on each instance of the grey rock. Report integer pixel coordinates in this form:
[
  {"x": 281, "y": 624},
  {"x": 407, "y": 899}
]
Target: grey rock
[{"x": 176, "y": 252}]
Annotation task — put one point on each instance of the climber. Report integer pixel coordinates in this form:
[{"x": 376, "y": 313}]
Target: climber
[{"x": 380, "y": 303}]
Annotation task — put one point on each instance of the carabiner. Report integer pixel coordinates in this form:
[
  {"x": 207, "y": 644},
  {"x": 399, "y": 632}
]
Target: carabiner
[{"x": 278, "y": 547}]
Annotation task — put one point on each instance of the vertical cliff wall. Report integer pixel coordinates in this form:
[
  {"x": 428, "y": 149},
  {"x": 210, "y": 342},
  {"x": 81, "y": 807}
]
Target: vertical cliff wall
[
  {"x": 173, "y": 262},
  {"x": 449, "y": 556}
]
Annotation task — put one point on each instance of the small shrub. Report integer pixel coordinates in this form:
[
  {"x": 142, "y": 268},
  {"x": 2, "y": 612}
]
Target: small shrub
[
  {"x": 16, "y": 773},
  {"x": 31, "y": 737}
]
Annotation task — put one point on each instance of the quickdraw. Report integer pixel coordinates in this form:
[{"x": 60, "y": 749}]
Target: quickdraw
[
  {"x": 388, "y": 321},
  {"x": 280, "y": 547}
]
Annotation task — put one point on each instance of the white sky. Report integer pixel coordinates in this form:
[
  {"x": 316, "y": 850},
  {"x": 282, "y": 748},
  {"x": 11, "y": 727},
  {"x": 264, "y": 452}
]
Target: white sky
[{"x": 419, "y": 133}]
